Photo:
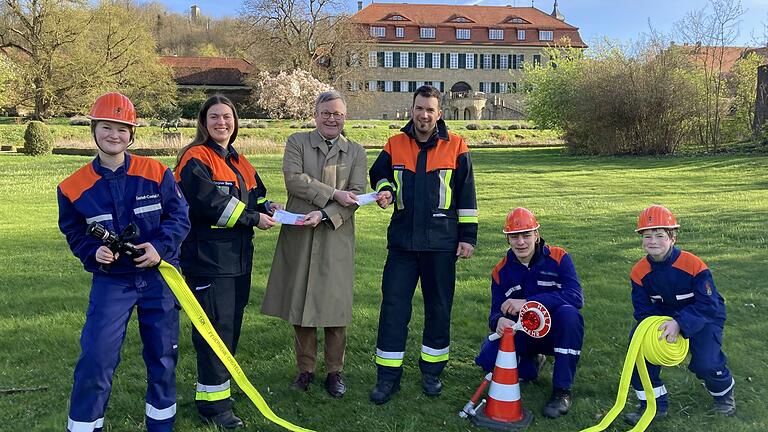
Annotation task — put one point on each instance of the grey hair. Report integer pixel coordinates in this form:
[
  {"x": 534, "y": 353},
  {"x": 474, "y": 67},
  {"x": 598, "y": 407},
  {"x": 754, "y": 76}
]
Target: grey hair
[{"x": 328, "y": 96}]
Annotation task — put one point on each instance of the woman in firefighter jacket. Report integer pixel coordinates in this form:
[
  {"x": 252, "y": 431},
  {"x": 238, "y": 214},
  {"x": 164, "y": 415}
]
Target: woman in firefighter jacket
[
  {"x": 226, "y": 200},
  {"x": 535, "y": 271},
  {"x": 117, "y": 190}
]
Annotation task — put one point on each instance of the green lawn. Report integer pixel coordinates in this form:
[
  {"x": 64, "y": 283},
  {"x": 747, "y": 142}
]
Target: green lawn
[{"x": 587, "y": 205}]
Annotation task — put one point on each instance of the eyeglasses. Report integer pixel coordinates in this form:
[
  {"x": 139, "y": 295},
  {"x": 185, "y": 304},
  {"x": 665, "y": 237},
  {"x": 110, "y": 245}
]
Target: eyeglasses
[{"x": 336, "y": 115}]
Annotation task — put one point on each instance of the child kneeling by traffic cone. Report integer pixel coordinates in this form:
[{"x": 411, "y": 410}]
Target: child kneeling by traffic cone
[{"x": 535, "y": 271}]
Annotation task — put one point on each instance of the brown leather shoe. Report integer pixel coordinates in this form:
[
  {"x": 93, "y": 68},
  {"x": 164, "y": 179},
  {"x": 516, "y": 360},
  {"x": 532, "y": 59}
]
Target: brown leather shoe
[
  {"x": 302, "y": 380},
  {"x": 334, "y": 385}
]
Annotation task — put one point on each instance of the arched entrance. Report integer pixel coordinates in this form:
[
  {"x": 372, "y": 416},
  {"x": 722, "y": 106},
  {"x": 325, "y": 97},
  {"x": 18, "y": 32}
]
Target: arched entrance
[
  {"x": 461, "y": 86},
  {"x": 467, "y": 114}
]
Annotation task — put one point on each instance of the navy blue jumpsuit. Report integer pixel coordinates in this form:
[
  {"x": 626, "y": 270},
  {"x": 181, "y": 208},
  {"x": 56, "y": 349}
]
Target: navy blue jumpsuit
[
  {"x": 682, "y": 287},
  {"x": 552, "y": 281},
  {"x": 142, "y": 191}
]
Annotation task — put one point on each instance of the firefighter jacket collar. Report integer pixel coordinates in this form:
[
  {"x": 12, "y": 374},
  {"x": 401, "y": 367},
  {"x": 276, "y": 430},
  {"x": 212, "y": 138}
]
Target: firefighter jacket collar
[
  {"x": 671, "y": 257},
  {"x": 221, "y": 151},
  {"x": 316, "y": 140},
  {"x": 108, "y": 173},
  {"x": 441, "y": 132}
]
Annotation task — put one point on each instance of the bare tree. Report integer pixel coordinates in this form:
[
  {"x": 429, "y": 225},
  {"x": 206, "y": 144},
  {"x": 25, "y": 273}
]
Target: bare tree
[
  {"x": 709, "y": 32},
  {"x": 304, "y": 34}
]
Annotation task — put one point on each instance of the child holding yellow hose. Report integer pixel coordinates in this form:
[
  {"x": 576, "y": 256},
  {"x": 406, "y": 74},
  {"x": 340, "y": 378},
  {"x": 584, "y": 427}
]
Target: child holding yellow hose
[{"x": 671, "y": 282}]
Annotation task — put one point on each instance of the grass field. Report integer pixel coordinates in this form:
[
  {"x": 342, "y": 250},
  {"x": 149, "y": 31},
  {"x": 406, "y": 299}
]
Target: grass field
[{"x": 587, "y": 205}]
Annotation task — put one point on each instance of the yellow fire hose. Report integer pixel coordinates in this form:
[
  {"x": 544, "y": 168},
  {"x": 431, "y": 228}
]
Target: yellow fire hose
[
  {"x": 203, "y": 325},
  {"x": 645, "y": 345}
]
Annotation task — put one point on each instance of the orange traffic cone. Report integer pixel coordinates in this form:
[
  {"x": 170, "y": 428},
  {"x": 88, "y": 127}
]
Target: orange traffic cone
[{"x": 503, "y": 410}]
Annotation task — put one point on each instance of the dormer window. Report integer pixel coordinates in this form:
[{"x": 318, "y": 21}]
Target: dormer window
[
  {"x": 399, "y": 32},
  {"x": 427, "y": 32},
  {"x": 397, "y": 18},
  {"x": 462, "y": 34},
  {"x": 495, "y": 34},
  {"x": 546, "y": 35},
  {"x": 459, "y": 19},
  {"x": 378, "y": 32},
  {"x": 515, "y": 20}
]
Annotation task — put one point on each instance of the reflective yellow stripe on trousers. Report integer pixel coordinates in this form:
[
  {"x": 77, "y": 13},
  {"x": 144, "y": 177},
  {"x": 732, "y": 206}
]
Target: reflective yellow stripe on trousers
[{"x": 203, "y": 325}]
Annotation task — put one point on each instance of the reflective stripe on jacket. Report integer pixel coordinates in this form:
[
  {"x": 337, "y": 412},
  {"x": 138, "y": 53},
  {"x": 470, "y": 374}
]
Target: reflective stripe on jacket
[{"x": 433, "y": 190}]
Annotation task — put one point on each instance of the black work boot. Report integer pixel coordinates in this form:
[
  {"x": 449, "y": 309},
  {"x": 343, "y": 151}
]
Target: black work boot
[
  {"x": 224, "y": 420},
  {"x": 634, "y": 417},
  {"x": 725, "y": 404},
  {"x": 559, "y": 403},
  {"x": 383, "y": 391},
  {"x": 431, "y": 384}
]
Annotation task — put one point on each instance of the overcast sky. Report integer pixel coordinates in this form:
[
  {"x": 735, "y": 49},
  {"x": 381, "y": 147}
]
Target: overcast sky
[{"x": 621, "y": 20}]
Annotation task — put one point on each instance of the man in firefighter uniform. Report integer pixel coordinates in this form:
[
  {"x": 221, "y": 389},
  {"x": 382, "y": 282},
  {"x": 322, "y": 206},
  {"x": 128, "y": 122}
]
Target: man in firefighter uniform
[
  {"x": 426, "y": 172},
  {"x": 119, "y": 190},
  {"x": 535, "y": 271}
]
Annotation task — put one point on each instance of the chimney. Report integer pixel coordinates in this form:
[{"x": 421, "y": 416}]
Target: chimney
[{"x": 359, "y": 5}]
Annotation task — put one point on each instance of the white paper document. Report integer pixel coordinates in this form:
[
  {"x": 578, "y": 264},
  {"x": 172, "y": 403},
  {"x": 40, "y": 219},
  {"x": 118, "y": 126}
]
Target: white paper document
[
  {"x": 367, "y": 198},
  {"x": 288, "y": 218}
]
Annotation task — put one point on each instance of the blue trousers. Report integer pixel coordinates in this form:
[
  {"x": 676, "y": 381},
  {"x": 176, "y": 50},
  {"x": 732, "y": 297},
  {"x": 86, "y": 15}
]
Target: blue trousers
[
  {"x": 707, "y": 361},
  {"x": 112, "y": 300},
  {"x": 563, "y": 341}
]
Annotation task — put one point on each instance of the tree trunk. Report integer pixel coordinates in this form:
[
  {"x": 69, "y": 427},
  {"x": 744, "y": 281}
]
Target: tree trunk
[{"x": 761, "y": 102}]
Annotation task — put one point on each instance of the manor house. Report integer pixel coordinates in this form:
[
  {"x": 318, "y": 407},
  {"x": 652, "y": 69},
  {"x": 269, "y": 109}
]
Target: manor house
[{"x": 473, "y": 54}]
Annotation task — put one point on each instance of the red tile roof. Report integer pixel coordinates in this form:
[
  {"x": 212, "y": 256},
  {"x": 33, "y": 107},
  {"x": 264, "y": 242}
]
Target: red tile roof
[
  {"x": 212, "y": 71},
  {"x": 443, "y": 17}
]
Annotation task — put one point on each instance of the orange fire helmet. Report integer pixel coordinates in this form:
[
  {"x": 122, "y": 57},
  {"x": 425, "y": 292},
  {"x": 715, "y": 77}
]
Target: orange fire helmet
[
  {"x": 520, "y": 220},
  {"x": 114, "y": 107},
  {"x": 656, "y": 216}
]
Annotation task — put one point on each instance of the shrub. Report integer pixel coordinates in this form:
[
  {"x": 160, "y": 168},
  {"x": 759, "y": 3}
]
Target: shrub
[
  {"x": 513, "y": 126},
  {"x": 394, "y": 126},
  {"x": 37, "y": 139},
  {"x": 497, "y": 127},
  {"x": 80, "y": 121},
  {"x": 308, "y": 125},
  {"x": 363, "y": 126},
  {"x": 473, "y": 126}
]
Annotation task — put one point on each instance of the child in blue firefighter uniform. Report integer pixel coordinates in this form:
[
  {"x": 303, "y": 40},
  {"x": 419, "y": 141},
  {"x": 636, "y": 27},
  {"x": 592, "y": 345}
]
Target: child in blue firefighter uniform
[
  {"x": 535, "y": 271},
  {"x": 115, "y": 190},
  {"x": 675, "y": 283}
]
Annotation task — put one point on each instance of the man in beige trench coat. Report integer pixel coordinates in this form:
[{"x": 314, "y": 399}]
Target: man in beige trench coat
[{"x": 313, "y": 270}]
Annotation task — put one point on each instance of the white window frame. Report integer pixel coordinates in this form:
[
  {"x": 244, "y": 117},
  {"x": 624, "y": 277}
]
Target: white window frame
[
  {"x": 454, "y": 61},
  {"x": 469, "y": 61},
  {"x": 354, "y": 86},
  {"x": 419, "y": 84},
  {"x": 503, "y": 88},
  {"x": 520, "y": 34},
  {"x": 420, "y": 60},
  {"x": 436, "y": 57},
  {"x": 427, "y": 32},
  {"x": 487, "y": 61},
  {"x": 373, "y": 59},
  {"x": 399, "y": 32},
  {"x": 403, "y": 86},
  {"x": 387, "y": 59},
  {"x": 378, "y": 32},
  {"x": 546, "y": 35},
  {"x": 372, "y": 85},
  {"x": 496, "y": 34},
  {"x": 463, "y": 34},
  {"x": 388, "y": 86},
  {"x": 503, "y": 61},
  {"x": 403, "y": 60}
]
